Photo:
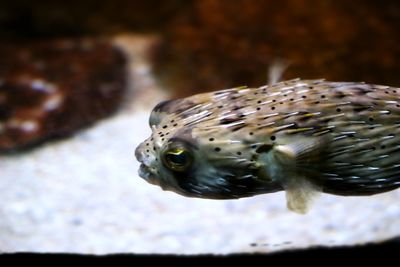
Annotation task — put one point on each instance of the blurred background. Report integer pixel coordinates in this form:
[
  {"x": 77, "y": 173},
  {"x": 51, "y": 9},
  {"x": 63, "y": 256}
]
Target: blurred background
[
  {"x": 212, "y": 44},
  {"x": 77, "y": 83}
]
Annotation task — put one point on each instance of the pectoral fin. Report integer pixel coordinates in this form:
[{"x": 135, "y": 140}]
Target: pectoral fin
[
  {"x": 298, "y": 160},
  {"x": 300, "y": 193},
  {"x": 294, "y": 165},
  {"x": 302, "y": 151}
]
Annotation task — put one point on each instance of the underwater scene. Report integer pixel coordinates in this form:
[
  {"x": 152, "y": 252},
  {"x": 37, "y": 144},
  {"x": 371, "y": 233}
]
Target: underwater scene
[{"x": 199, "y": 127}]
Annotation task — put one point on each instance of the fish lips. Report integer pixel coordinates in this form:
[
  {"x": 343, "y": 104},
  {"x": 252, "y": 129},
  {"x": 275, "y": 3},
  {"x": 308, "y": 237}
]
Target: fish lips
[
  {"x": 145, "y": 173},
  {"x": 144, "y": 170}
]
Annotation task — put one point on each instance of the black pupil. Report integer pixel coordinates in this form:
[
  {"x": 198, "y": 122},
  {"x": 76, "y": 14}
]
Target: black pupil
[{"x": 177, "y": 159}]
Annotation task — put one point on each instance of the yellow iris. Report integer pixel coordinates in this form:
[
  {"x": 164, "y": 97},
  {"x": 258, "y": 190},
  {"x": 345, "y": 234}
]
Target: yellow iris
[{"x": 177, "y": 159}]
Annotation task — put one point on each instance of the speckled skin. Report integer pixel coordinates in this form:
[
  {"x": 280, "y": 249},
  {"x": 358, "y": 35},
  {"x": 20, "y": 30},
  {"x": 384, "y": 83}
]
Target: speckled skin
[{"x": 301, "y": 136}]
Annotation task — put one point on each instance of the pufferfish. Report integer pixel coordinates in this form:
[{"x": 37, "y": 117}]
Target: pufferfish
[{"x": 300, "y": 136}]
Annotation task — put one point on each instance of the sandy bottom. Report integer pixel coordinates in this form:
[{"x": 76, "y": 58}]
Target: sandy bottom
[{"x": 83, "y": 195}]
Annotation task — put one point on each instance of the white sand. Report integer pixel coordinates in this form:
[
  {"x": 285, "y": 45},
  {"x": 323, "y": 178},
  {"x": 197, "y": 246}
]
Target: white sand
[{"x": 83, "y": 195}]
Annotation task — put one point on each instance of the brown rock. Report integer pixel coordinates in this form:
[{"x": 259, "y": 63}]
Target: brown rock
[
  {"x": 219, "y": 44},
  {"x": 51, "y": 89}
]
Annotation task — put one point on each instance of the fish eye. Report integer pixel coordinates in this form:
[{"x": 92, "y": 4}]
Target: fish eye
[{"x": 177, "y": 159}]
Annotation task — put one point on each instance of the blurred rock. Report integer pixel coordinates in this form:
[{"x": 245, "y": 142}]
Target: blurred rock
[
  {"x": 220, "y": 44},
  {"x": 53, "y": 88}
]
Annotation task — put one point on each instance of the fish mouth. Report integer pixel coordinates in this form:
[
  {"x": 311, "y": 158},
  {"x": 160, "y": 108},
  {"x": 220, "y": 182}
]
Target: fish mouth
[{"x": 145, "y": 173}]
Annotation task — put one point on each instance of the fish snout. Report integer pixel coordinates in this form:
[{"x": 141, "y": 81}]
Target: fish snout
[
  {"x": 145, "y": 171},
  {"x": 139, "y": 153}
]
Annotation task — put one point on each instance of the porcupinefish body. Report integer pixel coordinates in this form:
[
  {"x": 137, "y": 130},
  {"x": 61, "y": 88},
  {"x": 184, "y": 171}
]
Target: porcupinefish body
[{"x": 301, "y": 136}]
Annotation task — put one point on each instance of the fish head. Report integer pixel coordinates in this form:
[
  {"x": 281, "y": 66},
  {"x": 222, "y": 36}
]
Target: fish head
[{"x": 191, "y": 153}]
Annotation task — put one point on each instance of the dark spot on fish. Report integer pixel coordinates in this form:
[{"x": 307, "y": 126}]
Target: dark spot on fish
[
  {"x": 239, "y": 153},
  {"x": 316, "y": 102},
  {"x": 229, "y": 120},
  {"x": 291, "y": 99},
  {"x": 181, "y": 110},
  {"x": 217, "y": 149},
  {"x": 237, "y": 127},
  {"x": 323, "y": 96},
  {"x": 264, "y": 148},
  {"x": 339, "y": 95},
  {"x": 220, "y": 106},
  {"x": 304, "y": 118},
  {"x": 211, "y": 139},
  {"x": 273, "y": 137},
  {"x": 361, "y": 90},
  {"x": 386, "y": 92},
  {"x": 172, "y": 121},
  {"x": 251, "y": 133},
  {"x": 383, "y": 147},
  {"x": 274, "y": 100},
  {"x": 259, "y": 101},
  {"x": 236, "y": 108},
  {"x": 165, "y": 127},
  {"x": 272, "y": 108},
  {"x": 175, "y": 125},
  {"x": 304, "y": 96},
  {"x": 371, "y": 119},
  {"x": 360, "y": 108},
  {"x": 219, "y": 93},
  {"x": 253, "y": 146},
  {"x": 258, "y": 108},
  {"x": 325, "y": 121},
  {"x": 338, "y": 110}
]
